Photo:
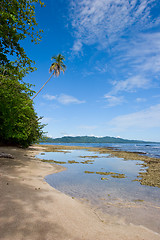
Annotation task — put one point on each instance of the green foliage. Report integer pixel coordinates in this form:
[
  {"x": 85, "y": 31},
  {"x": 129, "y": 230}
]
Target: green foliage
[
  {"x": 19, "y": 124},
  {"x": 18, "y": 21},
  {"x": 56, "y": 67}
]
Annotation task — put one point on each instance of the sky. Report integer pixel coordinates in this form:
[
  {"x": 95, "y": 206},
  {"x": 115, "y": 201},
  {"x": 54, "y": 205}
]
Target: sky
[{"x": 111, "y": 86}]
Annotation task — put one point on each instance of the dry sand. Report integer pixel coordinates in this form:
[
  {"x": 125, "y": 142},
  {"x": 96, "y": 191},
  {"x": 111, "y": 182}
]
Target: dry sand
[{"x": 30, "y": 209}]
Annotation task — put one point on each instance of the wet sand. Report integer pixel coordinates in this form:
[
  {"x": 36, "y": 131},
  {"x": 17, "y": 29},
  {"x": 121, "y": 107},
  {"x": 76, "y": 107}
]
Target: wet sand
[{"x": 31, "y": 209}]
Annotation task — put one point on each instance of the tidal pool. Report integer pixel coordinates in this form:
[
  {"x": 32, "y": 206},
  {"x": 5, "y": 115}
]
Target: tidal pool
[{"x": 108, "y": 183}]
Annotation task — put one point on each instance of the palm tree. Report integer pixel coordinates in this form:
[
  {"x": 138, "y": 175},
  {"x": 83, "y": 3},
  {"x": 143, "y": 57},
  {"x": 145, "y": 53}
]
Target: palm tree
[{"x": 56, "y": 67}]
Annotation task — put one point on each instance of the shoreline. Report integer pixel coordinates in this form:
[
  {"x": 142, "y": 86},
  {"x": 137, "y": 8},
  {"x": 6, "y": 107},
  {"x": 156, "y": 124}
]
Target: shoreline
[
  {"x": 151, "y": 177},
  {"x": 131, "y": 211},
  {"x": 31, "y": 209}
]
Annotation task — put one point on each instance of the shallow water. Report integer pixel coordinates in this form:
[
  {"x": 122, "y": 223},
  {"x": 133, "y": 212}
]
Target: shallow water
[
  {"x": 77, "y": 183},
  {"x": 80, "y": 180},
  {"x": 151, "y": 149}
]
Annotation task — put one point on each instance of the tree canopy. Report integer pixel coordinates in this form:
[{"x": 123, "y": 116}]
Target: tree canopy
[
  {"x": 19, "y": 124},
  {"x": 18, "y": 21},
  {"x": 56, "y": 67}
]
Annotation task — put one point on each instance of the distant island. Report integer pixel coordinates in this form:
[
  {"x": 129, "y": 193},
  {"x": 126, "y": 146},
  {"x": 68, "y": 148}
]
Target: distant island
[{"x": 90, "y": 139}]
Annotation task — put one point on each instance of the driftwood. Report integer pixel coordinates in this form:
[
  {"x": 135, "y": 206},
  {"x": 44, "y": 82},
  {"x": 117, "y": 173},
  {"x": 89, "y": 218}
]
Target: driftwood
[{"x": 5, "y": 155}]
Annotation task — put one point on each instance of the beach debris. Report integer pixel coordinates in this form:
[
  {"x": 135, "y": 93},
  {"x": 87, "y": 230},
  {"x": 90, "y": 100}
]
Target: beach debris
[{"x": 6, "y": 155}]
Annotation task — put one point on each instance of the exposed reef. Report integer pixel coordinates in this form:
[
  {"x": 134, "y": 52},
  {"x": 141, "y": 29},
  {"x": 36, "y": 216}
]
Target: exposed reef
[{"x": 150, "y": 174}]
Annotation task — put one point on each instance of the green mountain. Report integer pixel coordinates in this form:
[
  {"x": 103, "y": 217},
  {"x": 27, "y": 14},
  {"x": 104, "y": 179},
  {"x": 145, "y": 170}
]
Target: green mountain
[{"x": 87, "y": 139}]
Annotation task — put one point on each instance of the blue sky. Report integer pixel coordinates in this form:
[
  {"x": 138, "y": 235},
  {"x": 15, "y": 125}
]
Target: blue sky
[{"x": 111, "y": 86}]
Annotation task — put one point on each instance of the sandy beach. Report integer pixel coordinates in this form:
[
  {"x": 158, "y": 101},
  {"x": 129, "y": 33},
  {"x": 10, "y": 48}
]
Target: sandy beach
[{"x": 33, "y": 210}]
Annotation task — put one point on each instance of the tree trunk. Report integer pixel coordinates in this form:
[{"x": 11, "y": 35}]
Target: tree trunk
[{"x": 42, "y": 86}]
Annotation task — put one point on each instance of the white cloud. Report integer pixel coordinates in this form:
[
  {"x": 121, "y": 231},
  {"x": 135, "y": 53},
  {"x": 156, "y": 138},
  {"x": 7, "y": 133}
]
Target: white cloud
[
  {"x": 114, "y": 100},
  {"x": 101, "y": 67},
  {"x": 119, "y": 27},
  {"x": 142, "y": 53},
  {"x": 63, "y": 99},
  {"x": 49, "y": 135},
  {"x": 139, "y": 62},
  {"x": 102, "y": 22},
  {"x": 156, "y": 96},
  {"x": 77, "y": 46},
  {"x": 69, "y": 135},
  {"x": 139, "y": 100},
  {"x": 145, "y": 119},
  {"x": 67, "y": 99},
  {"x": 131, "y": 84},
  {"x": 49, "y": 97}
]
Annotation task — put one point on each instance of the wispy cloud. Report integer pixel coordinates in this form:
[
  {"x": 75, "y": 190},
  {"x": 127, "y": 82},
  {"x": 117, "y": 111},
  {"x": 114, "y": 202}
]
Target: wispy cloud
[
  {"x": 101, "y": 67},
  {"x": 63, "y": 99},
  {"x": 77, "y": 46},
  {"x": 114, "y": 100},
  {"x": 139, "y": 100},
  {"x": 131, "y": 84},
  {"x": 66, "y": 99},
  {"x": 123, "y": 29},
  {"x": 142, "y": 51},
  {"x": 103, "y": 22},
  {"x": 49, "y": 97},
  {"x": 145, "y": 119},
  {"x": 156, "y": 96},
  {"x": 139, "y": 62}
]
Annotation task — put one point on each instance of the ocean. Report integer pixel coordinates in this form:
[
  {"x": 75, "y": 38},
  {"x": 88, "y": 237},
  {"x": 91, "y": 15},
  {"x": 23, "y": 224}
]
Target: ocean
[{"x": 151, "y": 150}]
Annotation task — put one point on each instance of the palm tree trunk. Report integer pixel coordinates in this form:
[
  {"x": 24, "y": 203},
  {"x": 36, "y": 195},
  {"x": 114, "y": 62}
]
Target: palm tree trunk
[{"x": 43, "y": 86}]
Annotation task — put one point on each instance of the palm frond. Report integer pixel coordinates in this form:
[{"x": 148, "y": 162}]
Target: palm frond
[{"x": 58, "y": 65}]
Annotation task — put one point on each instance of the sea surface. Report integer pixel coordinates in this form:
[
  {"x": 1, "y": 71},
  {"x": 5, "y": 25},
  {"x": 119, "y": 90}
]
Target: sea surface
[
  {"x": 117, "y": 192},
  {"x": 151, "y": 149}
]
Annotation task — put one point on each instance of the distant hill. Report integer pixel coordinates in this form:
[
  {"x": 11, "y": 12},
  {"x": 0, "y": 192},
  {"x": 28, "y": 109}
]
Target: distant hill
[{"x": 88, "y": 139}]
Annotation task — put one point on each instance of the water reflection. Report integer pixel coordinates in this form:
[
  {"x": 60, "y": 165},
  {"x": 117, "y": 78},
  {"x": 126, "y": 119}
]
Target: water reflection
[
  {"x": 108, "y": 183},
  {"x": 86, "y": 172}
]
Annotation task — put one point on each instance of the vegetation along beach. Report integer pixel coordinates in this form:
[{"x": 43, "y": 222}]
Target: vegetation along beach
[{"x": 79, "y": 120}]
